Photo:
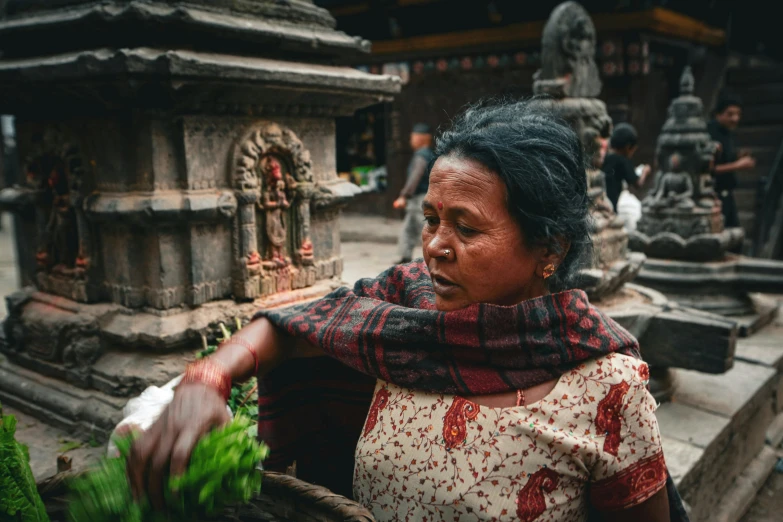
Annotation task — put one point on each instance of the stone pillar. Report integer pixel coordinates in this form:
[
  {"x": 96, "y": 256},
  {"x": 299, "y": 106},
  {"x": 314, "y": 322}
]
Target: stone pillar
[{"x": 179, "y": 169}]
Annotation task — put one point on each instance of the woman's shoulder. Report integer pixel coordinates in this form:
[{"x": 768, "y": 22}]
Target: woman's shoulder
[{"x": 615, "y": 367}]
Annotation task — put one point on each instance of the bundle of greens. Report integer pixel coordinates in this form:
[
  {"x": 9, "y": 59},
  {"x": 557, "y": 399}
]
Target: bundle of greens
[
  {"x": 223, "y": 471},
  {"x": 19, "y": 499}
]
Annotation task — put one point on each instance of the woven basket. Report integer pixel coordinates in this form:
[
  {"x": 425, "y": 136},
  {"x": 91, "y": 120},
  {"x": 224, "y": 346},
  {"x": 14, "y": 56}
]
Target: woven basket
[{"x": 283, "y": 498}]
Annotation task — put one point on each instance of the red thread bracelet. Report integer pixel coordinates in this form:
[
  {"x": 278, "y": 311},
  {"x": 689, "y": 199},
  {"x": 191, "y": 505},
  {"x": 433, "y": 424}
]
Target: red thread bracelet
[{"x": 246, "y": 345}]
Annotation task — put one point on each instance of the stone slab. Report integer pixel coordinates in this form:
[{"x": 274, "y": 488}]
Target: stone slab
[
  {"x": 45, "y": 443},
  {"x": 765, "y": 348},
  {"x": 729, "y": 394},
  {"x": 681, "y": 459},
  {"x": 88, "y": 413},
  {"x": 726, "y": 417},
  {"x": 742, "y": 493},
  {"x": 775, "y": 432},
  {"x": 692, "y": 425}
]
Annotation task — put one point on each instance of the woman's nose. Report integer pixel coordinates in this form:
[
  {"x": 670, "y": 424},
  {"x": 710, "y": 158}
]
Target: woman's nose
[{"x": 439, "y": 243}]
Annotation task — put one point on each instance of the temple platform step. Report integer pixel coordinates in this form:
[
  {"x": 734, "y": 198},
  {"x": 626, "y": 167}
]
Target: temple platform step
[
  {"x": 83, "y": 413},
  {"x": 718, "y": 428}
]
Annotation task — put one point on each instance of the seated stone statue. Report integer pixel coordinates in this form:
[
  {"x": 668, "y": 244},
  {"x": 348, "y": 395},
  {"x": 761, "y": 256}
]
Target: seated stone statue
[{"x": 674, "y": 189}]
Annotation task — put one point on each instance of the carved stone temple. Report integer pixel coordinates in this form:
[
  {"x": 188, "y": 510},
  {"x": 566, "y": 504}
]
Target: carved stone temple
[
  {"x": 681, "y": 229},
  {"x": 179, "y": 161},
  {"x": 570, "y": 81}
]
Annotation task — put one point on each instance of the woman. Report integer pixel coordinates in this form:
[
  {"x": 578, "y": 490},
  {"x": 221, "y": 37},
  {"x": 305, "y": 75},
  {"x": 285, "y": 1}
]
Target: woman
[{"x": 489, "y": 397}]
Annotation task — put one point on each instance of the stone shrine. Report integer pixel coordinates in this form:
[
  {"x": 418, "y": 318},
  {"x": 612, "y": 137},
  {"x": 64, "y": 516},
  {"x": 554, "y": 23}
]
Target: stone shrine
[
  {"x": 681, "y": 229},
  {"x": 179, "y": 169},
  {"x": 569, "y": 84},
  {"x": 682, "y": 217}
]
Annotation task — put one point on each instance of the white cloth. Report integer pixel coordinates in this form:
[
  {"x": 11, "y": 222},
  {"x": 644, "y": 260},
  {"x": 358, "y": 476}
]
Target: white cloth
[{"x": 629, "y": 209}]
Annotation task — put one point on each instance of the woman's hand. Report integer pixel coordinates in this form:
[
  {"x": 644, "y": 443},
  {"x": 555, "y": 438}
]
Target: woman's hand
[{"x": 165, "y": 448}]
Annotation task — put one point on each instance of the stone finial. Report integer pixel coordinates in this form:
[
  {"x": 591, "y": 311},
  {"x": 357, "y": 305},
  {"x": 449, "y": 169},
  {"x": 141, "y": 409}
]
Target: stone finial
[{"x": 687, "y": 83}]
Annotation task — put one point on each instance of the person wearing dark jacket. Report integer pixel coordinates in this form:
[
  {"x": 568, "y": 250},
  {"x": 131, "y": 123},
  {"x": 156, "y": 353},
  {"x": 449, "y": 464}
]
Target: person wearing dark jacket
[{"x": 414, "y": 190}]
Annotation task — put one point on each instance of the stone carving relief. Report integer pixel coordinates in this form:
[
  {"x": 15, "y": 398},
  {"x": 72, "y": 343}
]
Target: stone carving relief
[
  {"x": 273, "y": 181},
  {"x": 54, "y": 171}
]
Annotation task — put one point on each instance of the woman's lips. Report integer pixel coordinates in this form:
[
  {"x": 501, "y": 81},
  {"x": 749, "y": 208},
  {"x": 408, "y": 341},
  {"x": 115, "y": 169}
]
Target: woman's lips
[{"x": 442, "y": 286}]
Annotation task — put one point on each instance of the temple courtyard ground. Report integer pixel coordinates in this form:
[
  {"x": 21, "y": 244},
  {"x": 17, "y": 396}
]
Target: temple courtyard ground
[{"x": 369, "y": 247}]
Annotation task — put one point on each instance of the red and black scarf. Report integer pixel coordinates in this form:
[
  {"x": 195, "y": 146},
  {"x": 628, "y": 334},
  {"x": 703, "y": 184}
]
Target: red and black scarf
[{"x": 312, "y": 410}]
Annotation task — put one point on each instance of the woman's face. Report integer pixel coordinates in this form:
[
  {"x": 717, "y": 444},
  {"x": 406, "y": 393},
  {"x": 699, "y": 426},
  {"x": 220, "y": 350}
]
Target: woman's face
[{"x": 488, "y": 261}]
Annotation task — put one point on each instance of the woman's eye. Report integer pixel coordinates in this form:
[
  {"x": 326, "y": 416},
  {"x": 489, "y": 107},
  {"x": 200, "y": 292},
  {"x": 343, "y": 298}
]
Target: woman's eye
[
  {"x": 465, "y": 231},
  {"x": 430, "y": 221}
]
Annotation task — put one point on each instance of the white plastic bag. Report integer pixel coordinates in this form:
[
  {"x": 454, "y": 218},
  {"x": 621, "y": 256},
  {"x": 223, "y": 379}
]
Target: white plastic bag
[
  {"x": 629, "y": 209},
  {"x": 142, "y": 411}
]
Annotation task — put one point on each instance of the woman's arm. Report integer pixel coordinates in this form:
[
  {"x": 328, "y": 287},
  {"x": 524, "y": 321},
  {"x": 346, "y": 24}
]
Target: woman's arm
[
  {"x": 654, "y": 509},
  {"x": 198, "y": 407}
]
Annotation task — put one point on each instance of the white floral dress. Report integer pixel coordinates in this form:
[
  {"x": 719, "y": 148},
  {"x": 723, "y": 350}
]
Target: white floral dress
[{"x": 594, "y": 438}]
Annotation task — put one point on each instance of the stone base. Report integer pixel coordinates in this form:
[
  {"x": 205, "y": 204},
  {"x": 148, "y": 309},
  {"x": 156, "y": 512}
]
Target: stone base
[
  {"x": 721, "y": 287},
  {"x": 699, "y": 247},
  {"x": 602, "y": 283},
  {"x": 77, "y": 364}
]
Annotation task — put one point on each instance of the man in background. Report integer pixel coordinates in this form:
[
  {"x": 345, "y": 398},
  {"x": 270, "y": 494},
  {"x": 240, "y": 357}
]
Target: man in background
[
  {"x": 617, "y": 164},
  {"x": 413, "y": 192},
  {"x": 726, "y": 118}
]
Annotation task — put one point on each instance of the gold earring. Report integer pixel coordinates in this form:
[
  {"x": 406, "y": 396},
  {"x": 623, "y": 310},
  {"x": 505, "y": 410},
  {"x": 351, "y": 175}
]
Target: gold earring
[{"x": 549, "y": 270}]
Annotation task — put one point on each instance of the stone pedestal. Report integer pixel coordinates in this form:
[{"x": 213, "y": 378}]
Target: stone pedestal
[
  {"x": 666, "y": 331},
  {"x": 681, "y": 230},
  {"x": 179, "y": 163}
]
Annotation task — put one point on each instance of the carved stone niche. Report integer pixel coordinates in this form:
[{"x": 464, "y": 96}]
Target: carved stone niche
[
  {"x": 273, "y": 180},
  {"x": 55, "y": 173}
]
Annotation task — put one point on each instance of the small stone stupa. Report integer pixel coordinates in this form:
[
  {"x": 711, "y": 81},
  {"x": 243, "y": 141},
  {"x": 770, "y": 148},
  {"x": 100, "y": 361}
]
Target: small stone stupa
[
  {"x": 682, "y": 217},
  {"x": 681, "y": 229},
  {"x": 180, "y": 170}
]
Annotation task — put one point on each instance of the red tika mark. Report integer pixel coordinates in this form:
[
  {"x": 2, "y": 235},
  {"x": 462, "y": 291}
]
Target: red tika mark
[
  {"x": 455, "y": 423},
  {"x": 531, "y": 501},
  {"x": 440, "y": 205},
  {"x": 380, "y": 402},
  {"x": 608, "y": 420}
]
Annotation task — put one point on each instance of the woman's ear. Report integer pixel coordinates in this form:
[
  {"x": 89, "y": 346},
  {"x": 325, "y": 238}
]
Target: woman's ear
[{"x": 552, "y": 257}]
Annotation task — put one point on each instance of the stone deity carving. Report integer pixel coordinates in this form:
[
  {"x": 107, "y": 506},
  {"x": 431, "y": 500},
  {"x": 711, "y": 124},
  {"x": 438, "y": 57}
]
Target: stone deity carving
[
  {"x": 568, "y": 55},
  {"x": 674, "y": 190},
  {"x": 275, "y": 203}
]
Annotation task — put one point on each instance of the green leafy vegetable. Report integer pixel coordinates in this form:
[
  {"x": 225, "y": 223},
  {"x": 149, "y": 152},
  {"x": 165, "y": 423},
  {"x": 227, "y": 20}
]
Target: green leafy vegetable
[
  {"x": 223, "y": 470},
  {"x": 19, "y": 499}
]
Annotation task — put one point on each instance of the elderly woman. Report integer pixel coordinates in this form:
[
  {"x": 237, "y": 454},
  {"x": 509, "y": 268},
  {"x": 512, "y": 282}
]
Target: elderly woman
[{"x": 471, "y": 384}]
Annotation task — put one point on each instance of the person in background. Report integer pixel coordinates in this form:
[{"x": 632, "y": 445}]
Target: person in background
[
  {"x": 413, "y": 192},
  {"x": 726, "y": 117},
  {"x": 617, "y": 163}
]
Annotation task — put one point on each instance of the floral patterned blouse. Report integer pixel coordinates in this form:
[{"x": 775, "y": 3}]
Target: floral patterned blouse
[{"x": 594, "y": 438}]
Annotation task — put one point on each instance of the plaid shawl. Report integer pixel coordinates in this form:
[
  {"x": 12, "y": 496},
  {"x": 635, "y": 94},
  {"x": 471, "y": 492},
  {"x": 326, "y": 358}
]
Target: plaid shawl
[{"x": 312, "y": 410}]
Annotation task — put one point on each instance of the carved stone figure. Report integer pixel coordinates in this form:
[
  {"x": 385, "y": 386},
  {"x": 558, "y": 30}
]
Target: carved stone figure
[
  {"x": 674, "y": 190},
  {"x": 275, "y": 203},
  {"x": 568, "y": 65}
]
